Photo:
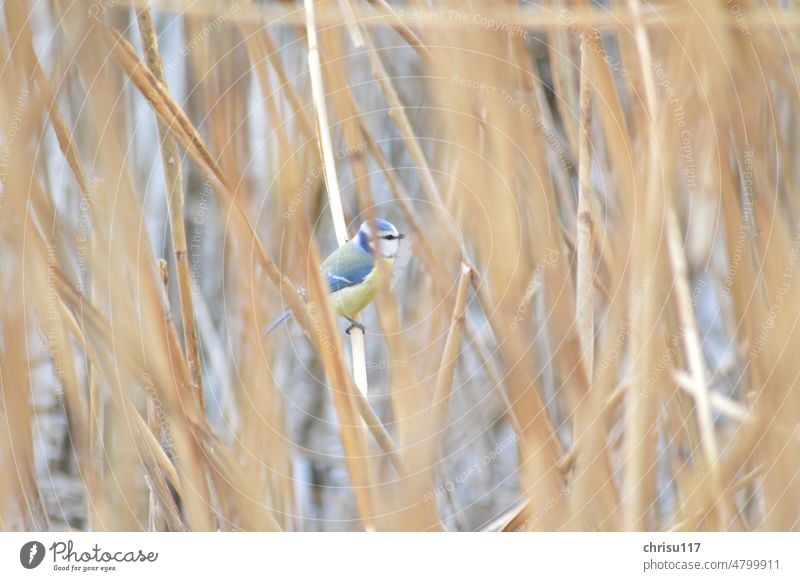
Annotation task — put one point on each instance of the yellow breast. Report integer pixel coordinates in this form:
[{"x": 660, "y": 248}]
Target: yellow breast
[{"x": 350, "y": 301}]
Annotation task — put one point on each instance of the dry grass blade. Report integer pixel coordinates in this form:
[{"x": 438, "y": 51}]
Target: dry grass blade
[{"x": 611, "y": 181}]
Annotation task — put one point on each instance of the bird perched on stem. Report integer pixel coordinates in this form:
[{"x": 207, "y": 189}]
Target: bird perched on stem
[{"x": 354, "y": 269}]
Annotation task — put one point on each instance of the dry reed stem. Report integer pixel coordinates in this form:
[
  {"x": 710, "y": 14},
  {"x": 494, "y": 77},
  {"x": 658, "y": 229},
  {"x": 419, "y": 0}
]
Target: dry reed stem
[
  {"x": 538, "y": 449},
  {"x": 154, "y": 419},
  {"x": 403, "y": 30},
  {"x": 432, "y": 262},
  {"x": 587, "y": 413},
  {"x": 450, "y": 355},
  {"x": 262, "y": 47},
  {"x": 323, "y": 127},
  {"x": 23, "y": 496},
  {"x": 415, "y": 474},
  {"x": 398, "y": 115},
  {"x": 170, "y": 156},
  {"x": 166, "y": 366},
  {"x": 694, "y": 356},
  {"x": 340, "y": 227},
  {"x": 346, "y": 7},
  {"x": 677, "y": 423},
  {"x": 528, "y": 17},
  {"x": 342, "y": 387},
  {"x": 271, "y": 52},
  {"x": 584, "y": 283},
  {"x": 174, "y": 119},
  {"x": 640, "y": 431},
  {"x": 418, "y": 232},
  {"x": 77, "y": 406},
  {"x": 98, "y": 325},
  {"x": 358, "y": 349}
]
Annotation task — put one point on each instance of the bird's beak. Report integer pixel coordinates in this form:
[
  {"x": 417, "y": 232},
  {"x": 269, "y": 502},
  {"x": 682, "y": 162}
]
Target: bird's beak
[{"x": 401, "y": 236}]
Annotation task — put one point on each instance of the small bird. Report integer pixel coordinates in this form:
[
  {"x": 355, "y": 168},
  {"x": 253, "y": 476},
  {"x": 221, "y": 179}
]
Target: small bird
[{"x": 354, "y": 269}]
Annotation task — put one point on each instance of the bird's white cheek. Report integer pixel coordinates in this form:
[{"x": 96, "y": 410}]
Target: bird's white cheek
[{"x": 389, "y": 248}]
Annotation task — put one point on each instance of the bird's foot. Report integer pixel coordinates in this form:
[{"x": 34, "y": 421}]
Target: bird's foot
[{"x": 355, "y": 325}]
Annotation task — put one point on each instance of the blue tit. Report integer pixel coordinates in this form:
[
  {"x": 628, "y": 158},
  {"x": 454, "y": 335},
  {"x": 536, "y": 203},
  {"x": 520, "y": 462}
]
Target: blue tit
[{"x": 354, "y": 271}]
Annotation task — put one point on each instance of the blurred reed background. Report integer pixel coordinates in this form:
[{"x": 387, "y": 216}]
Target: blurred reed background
[{"x": 593, "y": 326}]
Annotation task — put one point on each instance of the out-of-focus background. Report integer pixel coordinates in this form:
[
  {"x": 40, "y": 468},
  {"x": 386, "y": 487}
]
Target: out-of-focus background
[{"x": 591, "y": 325}]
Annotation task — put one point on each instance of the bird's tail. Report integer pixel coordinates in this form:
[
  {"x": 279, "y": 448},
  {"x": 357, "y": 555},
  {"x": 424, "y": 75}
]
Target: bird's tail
[{"x": 287, "y": 313}]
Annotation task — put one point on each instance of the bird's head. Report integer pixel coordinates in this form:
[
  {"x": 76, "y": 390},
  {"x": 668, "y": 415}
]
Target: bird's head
[{"x": 384, "y": 242}]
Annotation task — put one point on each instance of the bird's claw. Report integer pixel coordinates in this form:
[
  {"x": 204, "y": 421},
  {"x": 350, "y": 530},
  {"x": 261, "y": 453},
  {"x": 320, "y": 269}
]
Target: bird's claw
[{"x": 355, "y": 325}]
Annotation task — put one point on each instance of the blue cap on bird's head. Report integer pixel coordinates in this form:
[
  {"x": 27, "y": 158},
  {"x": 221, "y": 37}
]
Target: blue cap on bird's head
[{"x": 385, "y": 241}]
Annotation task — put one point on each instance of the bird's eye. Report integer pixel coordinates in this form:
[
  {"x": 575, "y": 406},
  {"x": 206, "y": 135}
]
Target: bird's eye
[{"x": 393, "y": 236}]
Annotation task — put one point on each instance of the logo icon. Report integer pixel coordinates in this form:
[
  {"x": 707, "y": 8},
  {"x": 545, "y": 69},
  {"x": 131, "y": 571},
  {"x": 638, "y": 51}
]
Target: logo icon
[{"x": 31, "y": 554}]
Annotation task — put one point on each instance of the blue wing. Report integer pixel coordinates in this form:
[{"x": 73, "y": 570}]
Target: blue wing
[
  {"x": 347, "y": 266},
  {"x": 337, "y": 282}
]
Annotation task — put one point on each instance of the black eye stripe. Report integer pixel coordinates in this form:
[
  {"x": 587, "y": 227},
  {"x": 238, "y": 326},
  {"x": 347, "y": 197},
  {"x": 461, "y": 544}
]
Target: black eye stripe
[{"x": 392, "y": 236}]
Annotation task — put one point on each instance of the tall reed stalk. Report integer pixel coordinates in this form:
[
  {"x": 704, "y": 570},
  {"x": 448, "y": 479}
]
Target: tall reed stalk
[{"x": 592, "y": 324}]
